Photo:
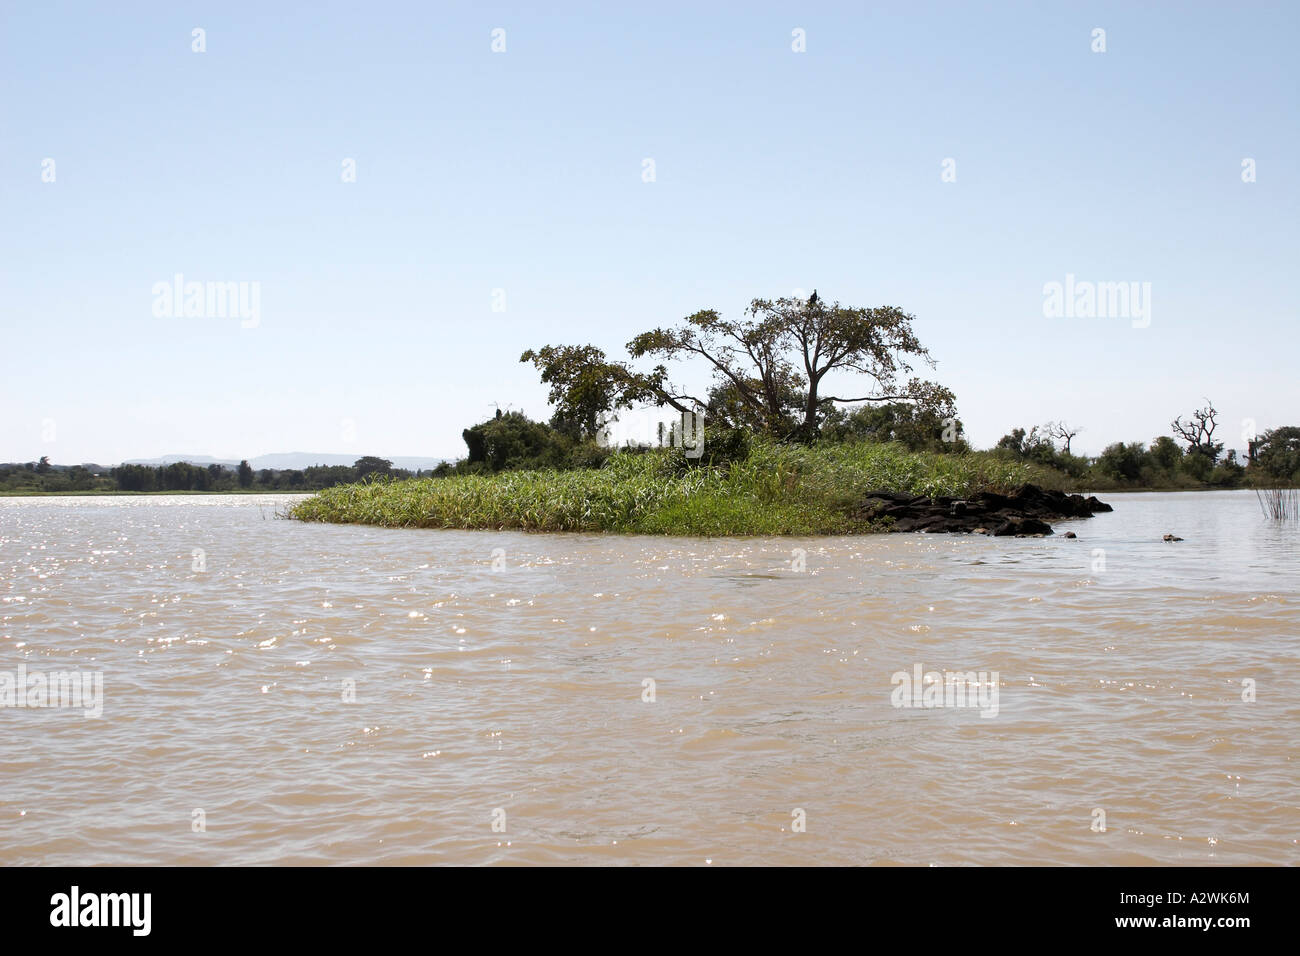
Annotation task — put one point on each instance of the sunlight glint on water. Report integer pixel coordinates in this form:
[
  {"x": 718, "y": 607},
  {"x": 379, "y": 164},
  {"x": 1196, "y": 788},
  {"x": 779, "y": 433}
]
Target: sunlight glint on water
[{"x": 521, "y": 689}]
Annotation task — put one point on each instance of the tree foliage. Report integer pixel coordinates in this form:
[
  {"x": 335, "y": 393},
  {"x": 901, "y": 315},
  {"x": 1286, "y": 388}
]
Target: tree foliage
[
  {"x": 1277, "y": 454},
  {"x": 929, "y": 423},
  {"x": 372, "y": 465},
  {"x": 512, "y": 441},
  {"x": 769, "y": 366}
]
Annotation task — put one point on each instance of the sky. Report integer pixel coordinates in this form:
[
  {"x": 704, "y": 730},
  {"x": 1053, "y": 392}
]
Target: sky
[{"x": 952, "y": 160}]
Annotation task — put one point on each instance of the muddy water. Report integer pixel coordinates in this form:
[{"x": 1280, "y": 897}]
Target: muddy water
[{"x": 274, "y": 692}]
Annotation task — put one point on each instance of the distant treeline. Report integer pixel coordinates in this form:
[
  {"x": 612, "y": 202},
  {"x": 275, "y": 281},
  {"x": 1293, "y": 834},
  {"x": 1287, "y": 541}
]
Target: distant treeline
[
  {"x": 1191, "y": 458},
  {"x": 44, "y": 477},
  {"x": 511, "y": 442}
]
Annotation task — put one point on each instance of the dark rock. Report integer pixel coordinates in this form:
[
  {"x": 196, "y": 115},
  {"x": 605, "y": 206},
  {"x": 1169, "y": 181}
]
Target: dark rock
[
  {"x": 1071, "y": 534},
  {"x": 1022, "y": 526},
  {"x": 1023, "y": 514}
]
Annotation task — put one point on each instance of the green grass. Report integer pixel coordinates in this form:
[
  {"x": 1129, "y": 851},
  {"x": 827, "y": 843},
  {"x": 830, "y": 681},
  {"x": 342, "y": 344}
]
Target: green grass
[{"x": 775, "y": 490}]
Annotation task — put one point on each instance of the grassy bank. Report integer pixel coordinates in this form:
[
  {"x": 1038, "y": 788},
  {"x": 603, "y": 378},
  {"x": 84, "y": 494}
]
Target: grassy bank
[{"x": 775, "y": 489}]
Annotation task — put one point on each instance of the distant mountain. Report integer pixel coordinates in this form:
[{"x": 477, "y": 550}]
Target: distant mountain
[{"x": 292, "y": 459}]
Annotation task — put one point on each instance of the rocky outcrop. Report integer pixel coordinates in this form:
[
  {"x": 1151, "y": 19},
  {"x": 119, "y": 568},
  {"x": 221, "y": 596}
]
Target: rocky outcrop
[{"x": 1026, "y": 512}]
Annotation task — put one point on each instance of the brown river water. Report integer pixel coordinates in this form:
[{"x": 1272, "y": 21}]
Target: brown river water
[{"x": 284, "y": 693}]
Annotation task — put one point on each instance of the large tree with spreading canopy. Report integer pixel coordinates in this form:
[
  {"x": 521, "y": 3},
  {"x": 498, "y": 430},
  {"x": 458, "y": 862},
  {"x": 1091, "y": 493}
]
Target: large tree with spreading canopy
[{"x": 769, "y": 366}]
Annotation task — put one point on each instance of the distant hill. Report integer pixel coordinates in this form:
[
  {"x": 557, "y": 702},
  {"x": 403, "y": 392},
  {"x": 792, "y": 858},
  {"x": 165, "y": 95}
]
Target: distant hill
[{"x": 291, "y": 459}]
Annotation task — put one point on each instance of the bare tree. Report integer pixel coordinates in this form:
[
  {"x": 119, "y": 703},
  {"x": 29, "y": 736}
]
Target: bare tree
[
  {"x": 1062, "y": 431},
  {"x": 1198, "y": 432}
]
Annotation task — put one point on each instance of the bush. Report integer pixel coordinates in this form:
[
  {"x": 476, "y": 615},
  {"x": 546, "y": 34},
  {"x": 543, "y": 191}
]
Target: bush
[
  {"x": 1276, "y": 455},
  {"x": 725, "y": 445},
  {"x": 930, "y": 427},
  {"x": 513, "y": 442}
]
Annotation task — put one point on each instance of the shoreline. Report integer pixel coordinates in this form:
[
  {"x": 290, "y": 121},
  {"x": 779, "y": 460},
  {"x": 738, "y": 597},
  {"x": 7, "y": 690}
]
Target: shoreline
[
  {"x": 772, "y": 490},
  {"x": 1086, "y": 492}
]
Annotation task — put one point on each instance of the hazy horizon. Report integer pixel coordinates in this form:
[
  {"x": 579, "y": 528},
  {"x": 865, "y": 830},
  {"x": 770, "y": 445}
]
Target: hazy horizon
[{"x": 500, "y": 203}]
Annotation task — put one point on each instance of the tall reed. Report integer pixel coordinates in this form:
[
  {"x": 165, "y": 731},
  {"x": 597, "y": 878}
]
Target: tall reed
[{"x": 1280, "y": 504}]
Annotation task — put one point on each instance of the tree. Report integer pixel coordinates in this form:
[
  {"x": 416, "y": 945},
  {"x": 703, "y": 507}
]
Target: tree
[
  {"x": 1196, "y": 465},
  {"x": 245, "y": 474},
  {"x": 372, "y": 465},
  {"x": 928, "y": 424},
  {"x": 1122, "y": 462},
  {"x": 930, "y": 420},
  {"x": 79, "y": 479},
  {"x": 178, "y": 476},
  {"x": 512, "y": 440},
  {"x": 134, "y": 478},
  {"x": 770, "y": 364},
  {"x": 1277, "y": 453},
  {"x": 1063, "y": 432},
  {"x": 585, "y": 386},
  {"x": 1032, "y": 444},
  {"x": 1198, "y": 432},
  {"x": 726, "y": 406},
  {"x": 1166, "y": 454},
  {"x": 1013, "y": 442},
  {"x": 1228, "y": 473}
]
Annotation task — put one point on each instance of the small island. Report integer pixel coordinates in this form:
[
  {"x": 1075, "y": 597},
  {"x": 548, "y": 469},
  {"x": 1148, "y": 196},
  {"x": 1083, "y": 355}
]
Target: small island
[{"x": 767, "y": 451}]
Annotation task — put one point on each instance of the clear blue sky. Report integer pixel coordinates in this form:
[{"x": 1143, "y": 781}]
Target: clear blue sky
[{"x": 522, "y": 171}]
